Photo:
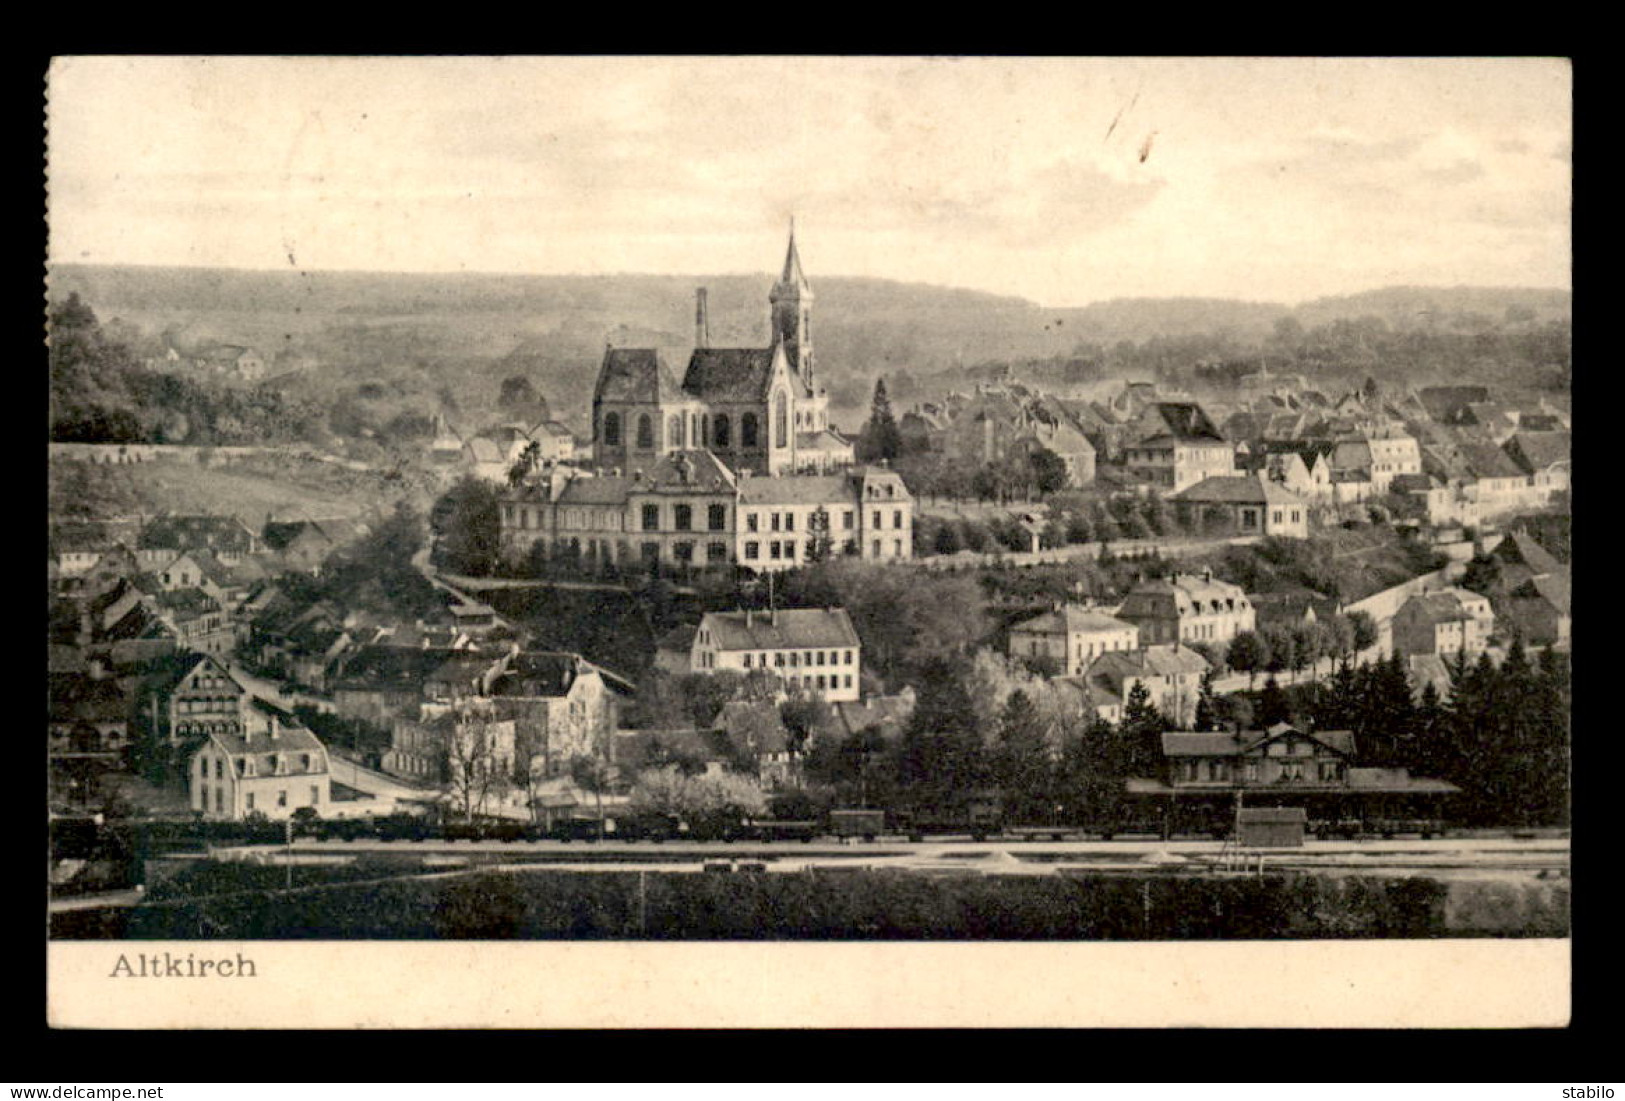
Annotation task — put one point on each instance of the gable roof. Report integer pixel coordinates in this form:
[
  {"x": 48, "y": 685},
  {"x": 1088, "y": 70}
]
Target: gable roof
[
  {"x": 687, "y": 472},
  {"x": 1238, "y": 489},
  {"x": 729, "y": 374},
  {"x": 1072, "y": 620},
  {"x": 1538, "y": 451},
  {"x": 1116, "y": 666},
  {"x": 602, "y": 490},
  {"x": 785, "y": 629},
  {"x": 636, "y": 375},
  {"x": 1185, "y": 421},
  {"x": 382, "y": 666},
  {"x": 1486, "y": 460},
  {"x": 1520, "y": 548},
  {"x": 545, "y": 673},
  {"x": 1441, "y": 401}
]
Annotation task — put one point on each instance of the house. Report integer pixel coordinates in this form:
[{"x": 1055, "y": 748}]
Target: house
[
  {"x": 1071, "y": 637},
  {"x": 1249, "y": 505},
  {"x": 1171, "y": 674},
  {"x": 1178, "y": 446},
  {"x": 758, "y": 740},
  {"x": 380, "y": 683},
  {"x": 1545, "y": 458},
  {"x": 866, "y": 512},
  {"x": 232, "y": 361},
  {"x": 1073, "y": 448},
  {"x": 1282, "y": 756},
  {"x": 560, "y": 704},
  {"x": 816, "y": 648},
  {"x": 227, "y": 538},
  {"x": 1291, "y": 607},
  {"x": 885, "y": 716},
  {"x": 1443, "y": 622},
  {"x": 1299, "y": 466},
  {"x": 303, "y": 545},
  {"x": 1539, "y": 609},
  {"x": 88, "y": 725},
  {"x": 555, "y": 443},
  {"x": 271, "y": 765},
  {"x": 1188, "y": 608},
  {"x": 197, "y": 620},
  {"x": 1445, "y": 403},
  {"x": 466, "y": 746},
  {"x": 1499, "y": 486}
]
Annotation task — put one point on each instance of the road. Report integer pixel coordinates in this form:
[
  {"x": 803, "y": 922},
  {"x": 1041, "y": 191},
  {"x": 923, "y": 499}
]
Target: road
[{"x": 376, "y": 784}]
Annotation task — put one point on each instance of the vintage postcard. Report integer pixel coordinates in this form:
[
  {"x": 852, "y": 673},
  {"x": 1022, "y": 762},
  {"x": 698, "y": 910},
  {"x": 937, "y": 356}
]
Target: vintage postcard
[{"x": 809, "y": 541}]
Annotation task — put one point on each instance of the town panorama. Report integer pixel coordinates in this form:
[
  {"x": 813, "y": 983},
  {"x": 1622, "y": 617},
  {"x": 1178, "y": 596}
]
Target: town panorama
[{"x": 332, "y": 603}]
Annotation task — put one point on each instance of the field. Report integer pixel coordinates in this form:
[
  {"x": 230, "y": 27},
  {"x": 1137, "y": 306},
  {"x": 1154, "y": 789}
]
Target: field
[{"x": 287, "y": 488}]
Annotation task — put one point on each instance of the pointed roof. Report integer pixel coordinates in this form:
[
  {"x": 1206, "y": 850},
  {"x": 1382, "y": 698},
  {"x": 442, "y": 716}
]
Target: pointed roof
[
  {"x": 729, "y": 374},
  {"x": 792, "y": 278},
  {"x": 636, "y": 375}
]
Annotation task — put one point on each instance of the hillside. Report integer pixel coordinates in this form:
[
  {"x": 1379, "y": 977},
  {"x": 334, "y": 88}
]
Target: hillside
[{"x": 459, "y": 334}]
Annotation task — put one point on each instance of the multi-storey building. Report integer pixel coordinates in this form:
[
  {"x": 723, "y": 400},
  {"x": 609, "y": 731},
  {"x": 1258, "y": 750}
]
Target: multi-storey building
[
  {"x": 815, "y": 648},
  {"x": 1072, "y": 637},
  {"x": 1443, "y": 622},
  {"x": 271, "y": 766},
  {"x": 1172, "y": 676},
  {"x": 1179, "y": 445},
  {"x": 691, "y": 510},
  {"x": 1188, "y": 608},
  {"x": 1252, "y": 505}
]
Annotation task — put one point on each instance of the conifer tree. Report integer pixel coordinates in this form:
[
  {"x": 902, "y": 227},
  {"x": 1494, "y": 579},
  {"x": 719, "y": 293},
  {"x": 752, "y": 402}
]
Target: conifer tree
[{"x": 885, "y": 439}]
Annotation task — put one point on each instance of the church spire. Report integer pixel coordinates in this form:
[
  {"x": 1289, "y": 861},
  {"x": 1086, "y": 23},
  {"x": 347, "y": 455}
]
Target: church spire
[{"x": 792, "y": 276}]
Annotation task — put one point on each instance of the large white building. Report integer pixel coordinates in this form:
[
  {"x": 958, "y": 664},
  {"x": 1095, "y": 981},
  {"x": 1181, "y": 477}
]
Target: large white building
[
  {"x": 815, "y": 648},
  {"x": 1072, "y": 637}
]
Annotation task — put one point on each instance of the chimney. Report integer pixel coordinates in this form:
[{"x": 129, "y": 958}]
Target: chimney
[{"x": 702, "y": 320}]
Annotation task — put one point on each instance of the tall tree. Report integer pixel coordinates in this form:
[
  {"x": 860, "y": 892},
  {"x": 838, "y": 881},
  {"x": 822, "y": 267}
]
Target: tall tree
[
  {"x": 885, "y": 439},
  {"x": 1021, "y": 764},
  {"x": 1272, "y": 705},
  {"x": 1249, "y": 653}
]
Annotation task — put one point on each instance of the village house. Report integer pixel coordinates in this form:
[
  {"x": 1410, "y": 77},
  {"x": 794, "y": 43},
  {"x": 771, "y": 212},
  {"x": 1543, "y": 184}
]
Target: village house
[
  {"x": 1252, "y": 760},
  {"x": 1545, "y": 458},
  {"x": 303, "y": 545},
  {"x": 1443, "y": 622},
  {"x": 817, "y": 648},
  {"x": 1188, "y": 608},
  {"x": 88, "y": 725},
  {"x": 227, "y": 538},
  {"x": 382, "y": 683},
  {"x": 560, "y": 703},
  {"x": 1071, "y": 637},
  {"x": 464, "y": 745},
  {"x": 1538, "y": 611},
  {"x": 554, "y": 442},
  {"x": 1250, "y": 505},
  {"x": 270, "y": 765},
  {"x": 1172, "y": 675},
  {"x": 1178, "y": 446}
]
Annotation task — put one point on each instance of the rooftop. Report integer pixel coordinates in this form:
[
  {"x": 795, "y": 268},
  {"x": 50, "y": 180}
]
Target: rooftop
[{"x": 785, "y": 629}]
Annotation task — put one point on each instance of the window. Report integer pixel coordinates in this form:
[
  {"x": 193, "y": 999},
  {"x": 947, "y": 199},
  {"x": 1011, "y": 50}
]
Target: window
[
  {"x": 795, "y": 659},
  {"x": 248, "y": 801},
  {"x": 747, "y": 430},
  {"x": 821, "y": 682},
  {"x": 789, "y": 521},
  {"x": 849, "y": 657},
  {"x": 651, "y": 517},
  {"x": 716, "y": 552},
  {"x": 219, "y": 769},
  {"x": 846, "y": 520},
  {"x": 789, "y": 548},
  {"x": 874, "y": 549},
  {"x": 315, "y": 794},
  {"x": 778, "y": 660},
  {"x": 773, "y": 549},
  {"x": 848, "y": 679},
  {"x": 683, "y": 517},
  {"x": 897, "y": 547},
  {"x": 1277, "y": 517},
  {"x": 747, "y": 661},
  {"x": 650, "y": 552},
  {"x": 753, "y": 551},
  {"x": 684, "y": 552},
  {"x": 674, "y": 431},
  {"x": 282, "y": 797},
  {"x": 776, "y": 521},
  {"x": 720, "y": 430},
  {"x": 717, "y": 517},
  {"x": 781, "y": 421},
  {"x": 220, "y": 800},
  {"x": 820, "y": 657},
  {"x": 876, "y": 522},
  {"x": 646, "y": 432},
  {"x": 897, "y": 518},
  {"x": 751, "y": 522}
]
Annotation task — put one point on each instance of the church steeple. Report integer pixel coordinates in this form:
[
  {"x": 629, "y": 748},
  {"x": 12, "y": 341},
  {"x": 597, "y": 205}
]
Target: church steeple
[{"x": 791, "y": 299}]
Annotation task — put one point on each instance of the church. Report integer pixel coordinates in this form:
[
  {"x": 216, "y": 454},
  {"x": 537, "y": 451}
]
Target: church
[{"x": 759, "y": 410}]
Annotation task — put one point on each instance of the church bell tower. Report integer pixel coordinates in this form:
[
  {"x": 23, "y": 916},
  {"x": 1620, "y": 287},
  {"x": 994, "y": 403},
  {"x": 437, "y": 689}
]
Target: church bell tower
[{"x": 792, "y": 299}]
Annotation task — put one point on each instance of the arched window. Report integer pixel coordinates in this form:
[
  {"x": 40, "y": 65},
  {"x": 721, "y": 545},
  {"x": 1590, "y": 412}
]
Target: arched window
[
  {"x": 674, "y": 431},
  {"x": 781, "y": 420},
  {"x": 747, "y": 430},
  {"x": 720, "y": 430},
  {"x": 612, "y": 429},
  {"x": 646, "y": 432}
]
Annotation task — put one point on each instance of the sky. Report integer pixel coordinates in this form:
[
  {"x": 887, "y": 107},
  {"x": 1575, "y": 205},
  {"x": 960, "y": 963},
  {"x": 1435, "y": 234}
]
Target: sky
[{"x": 1064, "y": 181}]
